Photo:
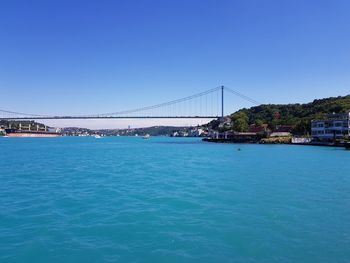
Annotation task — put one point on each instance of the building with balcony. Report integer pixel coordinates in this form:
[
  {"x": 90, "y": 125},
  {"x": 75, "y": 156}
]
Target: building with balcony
[{"x": 333, "y": 126}]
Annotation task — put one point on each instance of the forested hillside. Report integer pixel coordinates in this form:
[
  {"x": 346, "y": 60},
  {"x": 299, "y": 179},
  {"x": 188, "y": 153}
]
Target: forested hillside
[{"x": 297, "y": 115}]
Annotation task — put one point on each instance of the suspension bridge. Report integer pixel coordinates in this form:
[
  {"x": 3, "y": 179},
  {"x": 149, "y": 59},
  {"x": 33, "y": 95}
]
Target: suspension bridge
[{"x": 209, "y": 104}]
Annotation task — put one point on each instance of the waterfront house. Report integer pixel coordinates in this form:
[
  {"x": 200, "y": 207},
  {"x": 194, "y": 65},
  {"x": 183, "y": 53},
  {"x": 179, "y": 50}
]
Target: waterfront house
[
  {"x": 258, "y": 129},
  {"x": 282, "y": 131},
  {"x": 333, "y": 126}
]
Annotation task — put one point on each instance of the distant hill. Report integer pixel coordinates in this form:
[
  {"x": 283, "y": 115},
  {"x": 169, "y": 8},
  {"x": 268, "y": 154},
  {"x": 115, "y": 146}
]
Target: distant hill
[
  {"x": 160, "y": 130},
  {"x": 296, "y": 115},
  {"x": 153, "y": 131}
]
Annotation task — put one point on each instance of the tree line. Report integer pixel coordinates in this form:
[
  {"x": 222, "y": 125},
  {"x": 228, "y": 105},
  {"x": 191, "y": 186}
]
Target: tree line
[{"x": 297, "y": 115}]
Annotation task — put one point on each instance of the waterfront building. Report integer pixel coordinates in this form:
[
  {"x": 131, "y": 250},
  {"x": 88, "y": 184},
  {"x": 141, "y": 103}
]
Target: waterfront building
[
  {"x": 258, "y": 128},
  {"x": 197, "y": 132},
  {"x": 282, "y": 131},
  {"x": 333, "y": 126}
]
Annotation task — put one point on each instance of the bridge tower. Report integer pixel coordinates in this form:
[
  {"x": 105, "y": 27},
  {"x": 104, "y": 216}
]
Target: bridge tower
[{"x": 222, "y": 101}]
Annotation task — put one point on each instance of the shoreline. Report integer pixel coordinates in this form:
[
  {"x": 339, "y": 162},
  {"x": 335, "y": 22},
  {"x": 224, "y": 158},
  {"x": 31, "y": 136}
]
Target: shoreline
[{"x": 231, "y": 141}]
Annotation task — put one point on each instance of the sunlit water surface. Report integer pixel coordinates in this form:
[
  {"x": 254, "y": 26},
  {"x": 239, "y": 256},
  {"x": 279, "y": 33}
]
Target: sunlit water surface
[{"x": 171, "y": 200}]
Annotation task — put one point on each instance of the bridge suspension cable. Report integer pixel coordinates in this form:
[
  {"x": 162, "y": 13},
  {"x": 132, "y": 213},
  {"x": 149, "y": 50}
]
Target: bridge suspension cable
[
  {"x": 161, "y": 104},
  {"x": 207, "y": 104},
  {"x": 20, "y": 113},
  {"x": 243, "y": 96}
]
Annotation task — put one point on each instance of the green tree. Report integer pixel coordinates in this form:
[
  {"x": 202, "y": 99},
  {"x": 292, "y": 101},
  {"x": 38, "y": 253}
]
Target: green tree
[
  {"x": 302, "y": 127},
  {"x": 259, "y": 122},
  {"x": 240, "y": 121}
]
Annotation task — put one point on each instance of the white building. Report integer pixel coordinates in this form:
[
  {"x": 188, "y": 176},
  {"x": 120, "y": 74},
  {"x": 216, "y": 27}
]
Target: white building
[
  {"x": 225, "y": 122},
  {"x": 197, "y": 132},
  {"x": 333, "y": 126}
]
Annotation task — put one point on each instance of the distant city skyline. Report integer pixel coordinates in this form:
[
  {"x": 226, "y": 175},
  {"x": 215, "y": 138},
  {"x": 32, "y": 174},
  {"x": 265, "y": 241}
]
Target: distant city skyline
[{"x": 82, "y": 57}]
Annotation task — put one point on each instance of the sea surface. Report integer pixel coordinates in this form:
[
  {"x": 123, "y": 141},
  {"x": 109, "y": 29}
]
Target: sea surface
[{"x": 120, "y": 199}]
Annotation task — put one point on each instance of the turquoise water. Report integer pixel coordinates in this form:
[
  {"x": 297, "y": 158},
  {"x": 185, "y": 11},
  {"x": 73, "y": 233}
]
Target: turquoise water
[{"x": 124, "y": 199}]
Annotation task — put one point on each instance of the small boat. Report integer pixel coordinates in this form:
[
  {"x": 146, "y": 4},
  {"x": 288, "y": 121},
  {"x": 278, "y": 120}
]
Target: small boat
[
  {"x": 147, "y": 136},
  {"x": 98, "y": 136}
]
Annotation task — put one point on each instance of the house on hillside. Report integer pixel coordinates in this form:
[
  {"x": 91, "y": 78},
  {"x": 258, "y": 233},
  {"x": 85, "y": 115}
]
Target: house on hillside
[{"x": 226, "y": 122}]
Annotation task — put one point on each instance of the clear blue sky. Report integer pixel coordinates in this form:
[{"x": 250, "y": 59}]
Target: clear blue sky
[{"x": 76, "y": 57}]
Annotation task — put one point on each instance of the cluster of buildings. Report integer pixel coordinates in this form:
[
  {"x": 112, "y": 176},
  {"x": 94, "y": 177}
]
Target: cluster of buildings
[
  {"x": 154, "y": 131},
  {"x": 330, "y": 128},
  {"x": 75, "y": 131},
  {"x": 194, "y": 132},
  {"x": 254, "y": 132}
]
